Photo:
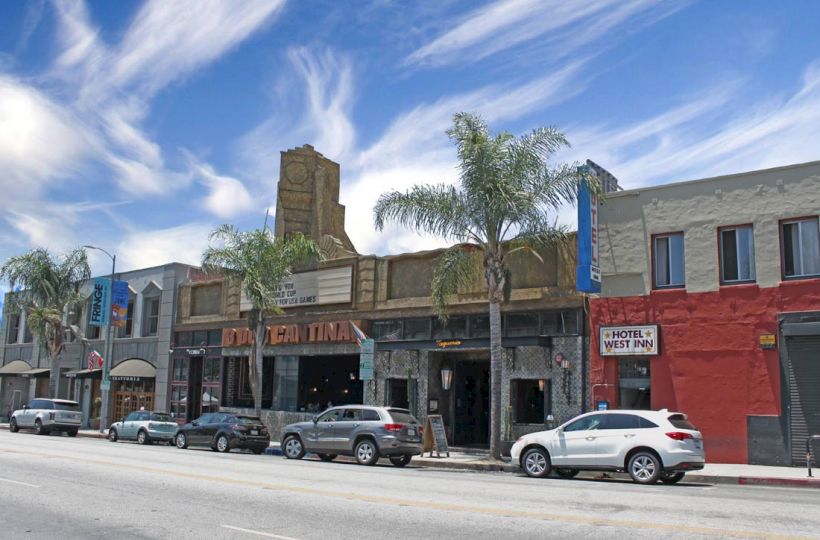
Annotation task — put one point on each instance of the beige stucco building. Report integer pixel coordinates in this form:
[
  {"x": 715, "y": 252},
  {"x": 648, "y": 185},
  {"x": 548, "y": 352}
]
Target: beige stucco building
[{"x": 311, "y": 361}]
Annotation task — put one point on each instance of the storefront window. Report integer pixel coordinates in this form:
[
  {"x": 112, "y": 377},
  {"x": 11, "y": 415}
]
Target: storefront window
[
  {"x": 200, "y": 338},
  {"x": 530, "y": 398},
  {"x": 521, "y": 324},
  {"x": 214, "y": 337},
  {"x": 183, "y": 339},
  {"x": 479, "y": 326},
  {"x": 326, "y": 381},
  {"x": 559, "y": 323},
  {"x": 456, "y": 327},
  {"x": 634, "y": 383},
  {"x": 286, "y": 383},
  {"x": 397, "y": 395},
  {"x": 386, "y": 330},
  {"x": 211, "y": 369},
  {"x": 417, "y": 329}
]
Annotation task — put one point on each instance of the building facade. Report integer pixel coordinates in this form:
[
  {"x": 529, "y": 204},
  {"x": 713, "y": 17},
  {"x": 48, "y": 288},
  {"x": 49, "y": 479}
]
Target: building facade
[
  {"x": 139, "y": 367},
  {"x": 710, "y": 305},
  {"x": 312, "y": 359}
]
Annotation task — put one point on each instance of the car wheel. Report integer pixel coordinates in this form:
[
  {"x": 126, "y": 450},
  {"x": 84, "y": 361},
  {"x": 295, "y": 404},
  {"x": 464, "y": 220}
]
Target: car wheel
[
  {"x": 112, "y": 435},
  {"x": 39, "y": 429},
  {"x": 293, "y": 448},
  {"x": 172, "y": 442},
  {"x": 181, "y": 440},
  {"x": 142, "y": 437},
  {"x": 536, "y": 463},
  {"x": 327, "y": 457},
  {"x": 366, "y": 452},
  {"x": 566, "y": 473},
  {"x": 13, "y": 427},
  {"x": 672, "y": 478},
  {"x": 223, "y": 444},
  {"x": 401, "y": 461},
  {"x": 72, "y": 432},
  {"x": 644, "y": 468}
]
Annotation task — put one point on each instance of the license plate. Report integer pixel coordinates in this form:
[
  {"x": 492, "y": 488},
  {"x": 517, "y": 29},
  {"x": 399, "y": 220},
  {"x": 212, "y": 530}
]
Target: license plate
[
  {"x": 254, "y": 432},
  {"x": 411, "y": 432}
]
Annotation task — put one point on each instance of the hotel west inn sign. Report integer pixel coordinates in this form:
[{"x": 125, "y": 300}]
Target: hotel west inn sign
[{"x": 629, "y": 340}]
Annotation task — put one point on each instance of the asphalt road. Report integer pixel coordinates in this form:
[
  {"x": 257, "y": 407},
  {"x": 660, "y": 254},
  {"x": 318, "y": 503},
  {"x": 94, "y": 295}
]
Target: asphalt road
[{"x": 58, "y": 487}]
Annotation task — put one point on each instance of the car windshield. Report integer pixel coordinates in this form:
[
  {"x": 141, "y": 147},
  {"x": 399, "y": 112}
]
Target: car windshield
[
  {"x": 402, "y": 417},
  {"x": 681, "y": 422},
  {"x": 161, "y": 417},
  {"x": 66, "y": 406},
  {"x": 247, "y": 420}
]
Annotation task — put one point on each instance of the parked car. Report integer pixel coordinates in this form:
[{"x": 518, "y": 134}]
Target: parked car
[
  {"x": 45, "y": 415},
  {"x": 649, "y": 445},
  {"x": 223, "y": 432},
  {"x": 364, "y": 432},
  {"x": 145, "y": 427}
]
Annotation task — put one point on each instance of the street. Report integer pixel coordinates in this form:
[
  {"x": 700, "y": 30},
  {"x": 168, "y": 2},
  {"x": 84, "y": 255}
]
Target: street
[{"x": 58, "y": 487}]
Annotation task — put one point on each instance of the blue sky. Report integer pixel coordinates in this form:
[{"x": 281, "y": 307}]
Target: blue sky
[{"x": 140, "y": 126}]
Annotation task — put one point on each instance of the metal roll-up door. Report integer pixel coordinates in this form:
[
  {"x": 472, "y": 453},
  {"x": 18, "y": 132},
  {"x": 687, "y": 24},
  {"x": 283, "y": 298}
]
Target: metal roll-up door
[{"x": 803, "y": 372}]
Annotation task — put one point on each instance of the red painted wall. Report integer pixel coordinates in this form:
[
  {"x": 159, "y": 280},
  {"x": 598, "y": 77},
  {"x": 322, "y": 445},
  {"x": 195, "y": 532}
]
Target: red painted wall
[{"x": 710, "y": 365}]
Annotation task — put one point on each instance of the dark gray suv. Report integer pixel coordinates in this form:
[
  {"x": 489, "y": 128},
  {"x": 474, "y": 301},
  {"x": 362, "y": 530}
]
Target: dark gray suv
[{"x": 362, "y": 431}]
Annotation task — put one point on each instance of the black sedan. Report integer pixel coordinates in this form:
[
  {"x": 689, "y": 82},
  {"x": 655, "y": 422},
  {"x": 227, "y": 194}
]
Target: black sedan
[{"x": 222, "y": 432}]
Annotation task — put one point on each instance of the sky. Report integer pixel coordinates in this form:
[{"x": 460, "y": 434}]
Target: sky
[{"x": 141, "y": 126}]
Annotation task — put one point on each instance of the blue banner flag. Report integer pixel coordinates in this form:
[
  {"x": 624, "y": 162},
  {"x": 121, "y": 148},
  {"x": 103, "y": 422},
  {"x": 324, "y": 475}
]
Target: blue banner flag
[
  {"x": 119, "y": 304},
  {"x": 100, "y": 296}
]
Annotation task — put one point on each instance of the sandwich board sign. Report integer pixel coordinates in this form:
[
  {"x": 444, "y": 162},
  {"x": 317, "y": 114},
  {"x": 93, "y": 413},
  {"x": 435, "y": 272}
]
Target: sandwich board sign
[{"x": 435, "y": 438}]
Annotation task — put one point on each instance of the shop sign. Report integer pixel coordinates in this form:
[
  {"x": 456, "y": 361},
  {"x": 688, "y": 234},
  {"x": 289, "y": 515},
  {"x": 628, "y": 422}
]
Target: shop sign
[
  {"x": 366, "y": 359},
  {"x": 329, "y": 286},
  {"x": 290, "y": 334},
  {"x": 127, "y": 378},
  {"x": 588, "y": 273},
  {"x": 100, "y": 296},
  {"x": 443, "y": 344},
  {"x": 767, "y": 341},
  {"x": 629, "y": 340}
]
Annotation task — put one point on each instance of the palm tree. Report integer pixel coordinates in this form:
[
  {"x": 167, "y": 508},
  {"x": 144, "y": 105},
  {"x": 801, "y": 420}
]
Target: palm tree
[
  {"x": 260, "y": 262},
  {"x": 501, "y": 204},
  {"x": 48, "y": 286}
]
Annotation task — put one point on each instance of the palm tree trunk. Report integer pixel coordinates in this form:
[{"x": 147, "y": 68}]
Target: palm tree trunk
[
  {"x": 256, "y": 365},
  {"x": 54, "y": 375},
  {"x": 495, "y": 377}
]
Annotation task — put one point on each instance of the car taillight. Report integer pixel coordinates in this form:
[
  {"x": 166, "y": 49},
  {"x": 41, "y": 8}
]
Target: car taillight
[
  {"x": 393, "y": 427},
  {"x": 679, "y": 435}
]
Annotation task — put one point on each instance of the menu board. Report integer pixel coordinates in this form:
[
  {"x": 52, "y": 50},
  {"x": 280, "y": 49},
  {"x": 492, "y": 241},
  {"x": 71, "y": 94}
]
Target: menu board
[{"x": 435, "y": 437}]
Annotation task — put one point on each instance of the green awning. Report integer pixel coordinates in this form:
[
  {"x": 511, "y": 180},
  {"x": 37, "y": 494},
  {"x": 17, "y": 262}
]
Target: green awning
[
  {"x": 15, "y": 367},
  {"x": 36, "y": 372},
  {"x": 133, "y": 369}
]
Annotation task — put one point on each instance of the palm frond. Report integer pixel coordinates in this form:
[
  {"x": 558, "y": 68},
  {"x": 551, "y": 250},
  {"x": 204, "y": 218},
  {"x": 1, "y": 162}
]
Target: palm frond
[{"x": 456, "y": 269}]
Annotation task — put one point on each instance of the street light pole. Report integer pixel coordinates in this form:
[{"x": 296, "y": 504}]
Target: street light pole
[{"x": 105, "y": 386}]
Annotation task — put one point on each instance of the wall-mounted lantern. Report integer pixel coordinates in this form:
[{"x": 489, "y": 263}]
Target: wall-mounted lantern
[{"x": 446, "y": 378}]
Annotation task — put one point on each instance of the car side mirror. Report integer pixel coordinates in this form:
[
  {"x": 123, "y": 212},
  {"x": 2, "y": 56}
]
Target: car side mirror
[
  {"x": 194, "y": 423},
  {"x": 315, "y": 419},
  {"x": 559, "y": 431},
  {"x": 25, "y": 407},
  {"x": 122, "y": 419}
]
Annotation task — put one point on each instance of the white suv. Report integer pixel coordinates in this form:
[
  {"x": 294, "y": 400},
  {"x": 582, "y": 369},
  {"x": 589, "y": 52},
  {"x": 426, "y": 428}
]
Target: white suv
[
  {"x": 46, "y": 415},
  {"x": 649, "y": 445}
]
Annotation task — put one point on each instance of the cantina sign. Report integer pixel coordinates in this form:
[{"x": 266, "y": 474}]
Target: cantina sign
[
  {"x": 629, "y": 340},
  {"x": 290, "y": 334}
]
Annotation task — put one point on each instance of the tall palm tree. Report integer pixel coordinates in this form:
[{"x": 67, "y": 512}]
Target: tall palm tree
[
  {"x": 502, "y": 203},
  {"x": 260, "y": 262},
  {"x": 48, "y": 286}
]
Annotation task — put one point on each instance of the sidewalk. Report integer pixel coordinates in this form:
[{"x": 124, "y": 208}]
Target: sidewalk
[{"x": 713, "y": 473}]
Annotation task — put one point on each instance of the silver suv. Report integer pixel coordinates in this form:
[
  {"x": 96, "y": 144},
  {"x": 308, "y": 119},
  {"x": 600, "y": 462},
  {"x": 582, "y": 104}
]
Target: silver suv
[
  {"x": 44, "y": 415},
  {"x": 362, "y": 431}
]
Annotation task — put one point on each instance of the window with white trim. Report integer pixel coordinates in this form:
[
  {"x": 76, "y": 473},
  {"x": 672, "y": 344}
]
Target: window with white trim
[
  {"x": 150, "y": 323},
  {"x": 737, "y": 254},
  {"x": 668, "y": 259},
  {"x": 801, "y": 247}
]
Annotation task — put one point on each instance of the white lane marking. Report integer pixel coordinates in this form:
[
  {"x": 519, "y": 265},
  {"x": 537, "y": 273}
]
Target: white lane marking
[
  {"x": 257, "y": 533},
  {"x": 18, "y": 483}
]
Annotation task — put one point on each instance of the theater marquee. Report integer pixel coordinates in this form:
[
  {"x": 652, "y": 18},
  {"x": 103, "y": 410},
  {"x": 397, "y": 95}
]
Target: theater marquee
[
  {"x": 629, "y": 340},
  {"x": 329, "y": 286}
]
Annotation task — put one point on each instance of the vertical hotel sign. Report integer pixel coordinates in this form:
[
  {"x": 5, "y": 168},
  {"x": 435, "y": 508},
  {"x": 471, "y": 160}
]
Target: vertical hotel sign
[
  {"x": 100, "y": 295},
  {"x": 588, "y": 274}
]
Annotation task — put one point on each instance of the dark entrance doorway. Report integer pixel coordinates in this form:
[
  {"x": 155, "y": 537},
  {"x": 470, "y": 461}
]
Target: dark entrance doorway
[
  {"x": 194, "y": 388},
  {"x": 471, "y": 390}
]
